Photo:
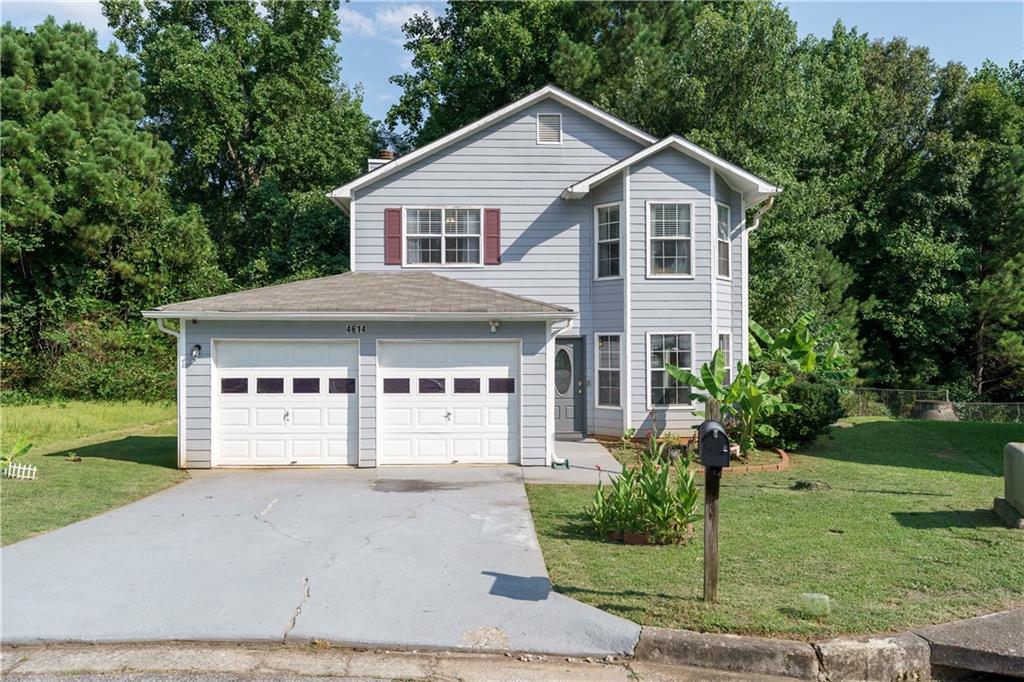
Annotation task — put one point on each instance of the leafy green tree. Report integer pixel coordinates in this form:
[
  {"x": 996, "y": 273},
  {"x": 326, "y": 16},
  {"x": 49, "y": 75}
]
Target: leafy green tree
[
  {"x": 89, "y": 229},
  {"x": 249, "y": 97}
]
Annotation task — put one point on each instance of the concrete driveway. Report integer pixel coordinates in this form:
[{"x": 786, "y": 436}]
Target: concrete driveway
[{"x": 440, "y": 557}]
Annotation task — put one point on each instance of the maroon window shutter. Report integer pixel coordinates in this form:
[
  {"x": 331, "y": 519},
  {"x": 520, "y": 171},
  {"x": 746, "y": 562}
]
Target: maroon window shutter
[
  {"x": 392, "y": 236},
  {"x": 492, "y": 236}
]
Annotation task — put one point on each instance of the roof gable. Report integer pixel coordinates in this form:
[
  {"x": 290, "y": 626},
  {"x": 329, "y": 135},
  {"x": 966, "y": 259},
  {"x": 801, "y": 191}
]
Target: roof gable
[
  {"x": 753, "y": 188},
  {"x": 343, "y": 195}
]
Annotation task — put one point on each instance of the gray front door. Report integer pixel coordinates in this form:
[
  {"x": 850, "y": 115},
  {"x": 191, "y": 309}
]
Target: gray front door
[{"x": 570, "y": 388}]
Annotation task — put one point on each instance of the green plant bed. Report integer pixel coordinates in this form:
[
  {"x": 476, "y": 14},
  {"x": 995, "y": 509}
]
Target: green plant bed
[
  {"x": 629, "y": 456},
  {"x": 893, "y": 520},
  {"x": 127, "y": 451}
]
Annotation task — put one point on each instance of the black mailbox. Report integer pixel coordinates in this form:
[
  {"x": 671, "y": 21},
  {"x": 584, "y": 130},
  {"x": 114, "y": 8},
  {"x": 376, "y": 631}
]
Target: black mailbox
[{"x": 714, "y": 444}]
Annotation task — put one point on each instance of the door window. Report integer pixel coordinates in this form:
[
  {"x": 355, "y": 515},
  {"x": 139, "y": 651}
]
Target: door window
[{"x": 563, "y": 371}]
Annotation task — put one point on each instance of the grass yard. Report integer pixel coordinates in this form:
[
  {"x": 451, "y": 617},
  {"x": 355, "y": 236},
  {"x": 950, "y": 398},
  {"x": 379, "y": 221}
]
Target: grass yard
[
  {"x": 127, "y": 451},
  {"x": 896, "y": 527}
]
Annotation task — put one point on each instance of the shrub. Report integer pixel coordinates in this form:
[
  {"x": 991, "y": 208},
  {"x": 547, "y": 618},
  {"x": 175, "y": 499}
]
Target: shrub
[
  {"x": 648, "y": 499},
  {"x": 819, "y": 408}
]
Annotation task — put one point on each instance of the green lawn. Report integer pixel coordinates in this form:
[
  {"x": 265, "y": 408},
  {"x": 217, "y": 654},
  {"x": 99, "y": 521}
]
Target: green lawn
[
  {"x": 127, "y": 452},
  {"x": 898, "y": 531}
]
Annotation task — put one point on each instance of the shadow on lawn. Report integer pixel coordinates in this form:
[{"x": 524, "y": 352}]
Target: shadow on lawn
[
  {"x": 956, "y": 518},
  {"x": 157, "y": 451},
  {"x": 961, "y": 447}
]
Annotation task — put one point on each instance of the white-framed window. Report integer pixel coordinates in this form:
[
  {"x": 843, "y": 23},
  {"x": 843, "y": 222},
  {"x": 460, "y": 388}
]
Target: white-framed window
[
  {"x": 724, "y": 242},
  {"x": 663, "y": 348},
  {"x": 443, "y": 236},
  {"x": 725, "y": 345},
  {"x": 669, "y": 239},
  {"x": 549, "y": 129},
  {"x": 607, "y": 240},
  {"x": 609, "y": 370}
]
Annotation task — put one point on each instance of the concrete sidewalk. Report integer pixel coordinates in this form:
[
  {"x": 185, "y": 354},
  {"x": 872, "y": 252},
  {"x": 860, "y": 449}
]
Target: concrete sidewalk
[
  {"x": 988, "y": 644},
  {"x": 588, "y": 461}
]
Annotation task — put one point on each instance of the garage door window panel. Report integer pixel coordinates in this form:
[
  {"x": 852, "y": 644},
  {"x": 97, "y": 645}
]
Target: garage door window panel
[
  {"x": 341, "y": 385},
  {"x": 271, "y": 385},
  {"x": 467, "y": 385},
  {"x": 305, "y": 385},
  {"x": 234, "y": 385},
  {"x": 432, "y": 385},
  {"x": 396, "y": 385},
  {"x": 501, "y": 385}
]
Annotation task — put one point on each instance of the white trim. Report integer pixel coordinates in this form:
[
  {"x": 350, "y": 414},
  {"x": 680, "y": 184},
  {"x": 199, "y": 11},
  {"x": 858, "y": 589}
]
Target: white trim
[
  {"x": 713, "y": 192},
  {"x": 182, "y": 378},
  {"x": 548, "y": 113},
  {"x": 627, "y": 304},
  {"x": 342, "y": 195},
  {"x": 442, "y": 235},
  {"x": 731, "y": 366},
  {"x": 549, "y": 393},
  {"x": 718, "y": 206},
  {"x": 647, "y": 236},
  {"x": 597, "y": 371},
  {"x": 597, "y": 241},
  {"x": 379, "y": 386},
  {"x": 647, "y": 366},
  {"x": 215, "y": 382},
  {"x": 754, "y": 189},
  {"x": 744, "y": 284},
  {"x": 352, "y": 236},
  {"x": 359, "y": 316}
]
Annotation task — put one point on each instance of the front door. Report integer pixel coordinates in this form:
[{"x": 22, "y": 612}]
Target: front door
[{"x": 570, "y": 388}]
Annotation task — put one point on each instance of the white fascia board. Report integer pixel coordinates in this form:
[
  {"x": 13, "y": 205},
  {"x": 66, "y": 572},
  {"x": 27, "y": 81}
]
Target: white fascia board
[
  {"x": 357, "y": 316},
  {"x": 344, "y": 193},
  {"x": 755, "y": 186}
]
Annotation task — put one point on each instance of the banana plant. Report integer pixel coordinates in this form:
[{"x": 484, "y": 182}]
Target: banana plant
[
  {"x": 20, "y": 447},
  {"x": 747, "y": 401},
  {"x": 794, "y": 350}
]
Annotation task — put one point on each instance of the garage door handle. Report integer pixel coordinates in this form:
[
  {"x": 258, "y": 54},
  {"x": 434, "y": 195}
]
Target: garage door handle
[{"x": 286, "y": 415}]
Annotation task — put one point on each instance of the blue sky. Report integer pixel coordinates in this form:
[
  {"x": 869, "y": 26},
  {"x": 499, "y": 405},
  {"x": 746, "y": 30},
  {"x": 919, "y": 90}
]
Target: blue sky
[{"x": 371, "y": 47}]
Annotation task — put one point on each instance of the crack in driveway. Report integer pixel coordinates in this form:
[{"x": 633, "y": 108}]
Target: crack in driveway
[{"x": 298, "y": 610}]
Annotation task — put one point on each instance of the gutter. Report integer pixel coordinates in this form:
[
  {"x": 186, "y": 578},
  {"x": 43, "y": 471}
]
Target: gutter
[
  {"x": 760, "y": 212},
  {"x": 343, "y": 316}
]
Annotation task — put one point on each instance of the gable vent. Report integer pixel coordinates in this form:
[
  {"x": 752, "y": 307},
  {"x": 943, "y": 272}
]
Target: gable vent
[{"x": 549, "y": 129}]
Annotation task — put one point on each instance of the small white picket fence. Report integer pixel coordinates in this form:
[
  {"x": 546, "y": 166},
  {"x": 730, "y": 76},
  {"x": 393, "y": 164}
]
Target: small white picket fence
[{"x": 24, "y": 472}]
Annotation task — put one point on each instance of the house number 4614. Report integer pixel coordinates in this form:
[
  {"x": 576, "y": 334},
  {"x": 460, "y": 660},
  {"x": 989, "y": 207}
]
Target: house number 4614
[{"x": 356, "y": 329}]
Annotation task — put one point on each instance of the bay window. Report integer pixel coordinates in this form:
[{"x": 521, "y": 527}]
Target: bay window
[
  {"x": 669, "y": 240},
  {"x": 674, "y": 348}
]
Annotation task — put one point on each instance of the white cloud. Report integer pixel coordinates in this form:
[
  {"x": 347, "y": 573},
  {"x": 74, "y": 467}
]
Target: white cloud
[
  {"x": 393, "y": 17},
  {"x": 356, "y": 24}
]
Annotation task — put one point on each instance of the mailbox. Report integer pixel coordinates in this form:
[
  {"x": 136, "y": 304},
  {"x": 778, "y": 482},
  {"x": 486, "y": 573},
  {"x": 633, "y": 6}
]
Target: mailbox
[{"x": 713, "y": 442}]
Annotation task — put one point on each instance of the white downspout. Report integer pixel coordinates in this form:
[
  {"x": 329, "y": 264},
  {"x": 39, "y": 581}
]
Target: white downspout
[
  {"x": 627, "y": 312},
  {"x": 180, "y": 336}
]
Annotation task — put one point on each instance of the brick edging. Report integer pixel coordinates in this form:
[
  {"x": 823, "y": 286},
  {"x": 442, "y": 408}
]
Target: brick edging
[
  {"x": 746, "y": 468},
  {"x": 905, "y": 656}
]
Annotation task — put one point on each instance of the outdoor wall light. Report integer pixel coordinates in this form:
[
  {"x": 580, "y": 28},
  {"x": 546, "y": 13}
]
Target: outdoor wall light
[
  {"x": 195, "y": 351},
  {"x": 494, "y": 325}
]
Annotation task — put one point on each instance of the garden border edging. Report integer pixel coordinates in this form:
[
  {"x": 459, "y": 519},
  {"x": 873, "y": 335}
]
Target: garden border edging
[{"x": 905, "y": 656}]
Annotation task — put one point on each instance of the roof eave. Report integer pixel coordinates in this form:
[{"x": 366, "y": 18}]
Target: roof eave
[{"x": 359, "y": 316}]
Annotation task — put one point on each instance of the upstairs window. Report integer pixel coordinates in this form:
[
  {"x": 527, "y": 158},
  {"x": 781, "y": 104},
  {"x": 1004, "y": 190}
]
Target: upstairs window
[
  {"x": 443, "y": 236},
  {"x": 549, "y": 129},
  {"x": 669, "y": 240},
  {"x": 724, "y": 243},
  {"x": 607, "y": 241}
]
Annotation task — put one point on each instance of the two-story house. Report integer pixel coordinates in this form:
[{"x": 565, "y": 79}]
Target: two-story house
[{"x": 520, "y": 280}]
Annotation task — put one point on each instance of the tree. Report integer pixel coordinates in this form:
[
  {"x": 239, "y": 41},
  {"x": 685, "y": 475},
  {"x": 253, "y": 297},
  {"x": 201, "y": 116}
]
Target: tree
[
  {"x": 89, "y": 229},
  {"x": 249, "y": 98}
]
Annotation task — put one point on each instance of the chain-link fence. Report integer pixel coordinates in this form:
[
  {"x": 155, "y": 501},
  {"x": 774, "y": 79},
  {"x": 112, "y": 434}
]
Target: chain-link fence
[
  {"x": 895, "y": 403},
  {"x": 1012, "y": 413},
  {"x": 898, "y": 403}
]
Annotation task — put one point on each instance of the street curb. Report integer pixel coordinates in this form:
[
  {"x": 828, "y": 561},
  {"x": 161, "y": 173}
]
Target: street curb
[
  {"x": 901, "y": 657},
  {"x": 734, "y": 653}
]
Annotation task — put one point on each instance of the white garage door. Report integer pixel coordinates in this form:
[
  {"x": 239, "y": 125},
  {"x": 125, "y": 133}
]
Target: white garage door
[
  {"x": 285, "y": 402},
  {"x": 447, "y": 402}
]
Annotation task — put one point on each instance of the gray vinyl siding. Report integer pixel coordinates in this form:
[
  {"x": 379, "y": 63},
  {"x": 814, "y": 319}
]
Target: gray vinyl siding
[
  {"x": 546, "y": 248},
  {"x": 606, "y": 313},
  {"x": 532, "y": 383},
  {"x": 669, "y": 305}
]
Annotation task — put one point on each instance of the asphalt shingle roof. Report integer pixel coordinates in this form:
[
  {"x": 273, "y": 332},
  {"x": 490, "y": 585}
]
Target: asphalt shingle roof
[{"x": 368, "y": 292}]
